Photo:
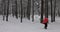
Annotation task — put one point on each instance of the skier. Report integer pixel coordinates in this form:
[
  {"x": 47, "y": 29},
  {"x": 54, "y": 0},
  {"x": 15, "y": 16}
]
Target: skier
[{"x": 45, "y": 22}]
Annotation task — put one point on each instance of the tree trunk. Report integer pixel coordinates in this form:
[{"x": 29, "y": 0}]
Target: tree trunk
[
  {"x": 16, "y": 12},
  {"x": 21, "y": 11},
  {"x": 54, "y": 9},
  {"x": 46, "y": 8},
  {"x": 28, "y": 9},
  {"x": 7, "y": 10},
  {"x": 3, "y": 9},
  {"x": 41, "y": 10},
  {"x": 13, "y": 8},
  {"x": 51, "y": 12},
  {"x": 33, "y": 11},
  {"x": 24, "y": 11}
]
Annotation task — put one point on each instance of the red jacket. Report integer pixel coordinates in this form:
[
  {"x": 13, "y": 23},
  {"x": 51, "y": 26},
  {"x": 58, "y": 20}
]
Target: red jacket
[{"x": 45, "y": 20}]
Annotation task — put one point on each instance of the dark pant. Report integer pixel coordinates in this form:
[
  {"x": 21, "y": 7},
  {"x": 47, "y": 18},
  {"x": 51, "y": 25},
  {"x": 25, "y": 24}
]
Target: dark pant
[{"x": 45, "y": 26}]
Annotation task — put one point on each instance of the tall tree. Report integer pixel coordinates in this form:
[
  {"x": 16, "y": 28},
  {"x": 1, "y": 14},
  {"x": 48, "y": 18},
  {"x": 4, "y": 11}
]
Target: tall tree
[
  {"x": 21, "y": 11},
  {"x": 32, "y": 10},
  {"x": 51, "y": 12},
  {"x": 54, "y": 9},
  {"x": 28, "y": 9},
  {"x": 42, "y": 10},
  {"x": 13, "y": 7},
  {"x": 7, "y": 10},
  {"x": 46, "y": 8},
  {"x": 4, "y": 6},
  {"x": 16, "y": 12}
]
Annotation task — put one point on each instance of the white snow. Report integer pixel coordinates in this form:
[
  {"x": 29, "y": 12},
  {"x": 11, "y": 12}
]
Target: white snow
[{"x": 14, "y": 25}]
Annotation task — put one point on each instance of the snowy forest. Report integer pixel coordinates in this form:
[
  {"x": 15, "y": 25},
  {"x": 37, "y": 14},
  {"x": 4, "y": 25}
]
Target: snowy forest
[{"x": 29, "y": 15}]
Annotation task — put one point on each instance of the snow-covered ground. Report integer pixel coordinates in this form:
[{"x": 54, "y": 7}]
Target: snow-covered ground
[{"x": 14, "y": 25}]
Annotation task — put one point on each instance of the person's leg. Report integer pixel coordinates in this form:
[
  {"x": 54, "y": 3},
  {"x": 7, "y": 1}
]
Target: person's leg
[{"x": 45, "y": 26}]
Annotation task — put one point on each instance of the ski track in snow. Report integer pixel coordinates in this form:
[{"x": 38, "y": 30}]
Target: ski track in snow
[{"x": 14, "y": 25}]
